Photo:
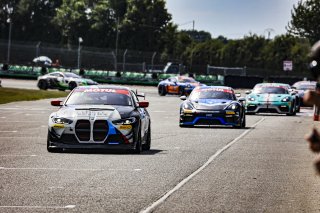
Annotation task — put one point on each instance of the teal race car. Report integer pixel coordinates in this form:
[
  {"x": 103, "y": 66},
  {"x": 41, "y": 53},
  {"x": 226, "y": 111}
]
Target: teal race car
[{"x": 271, "y": 98}]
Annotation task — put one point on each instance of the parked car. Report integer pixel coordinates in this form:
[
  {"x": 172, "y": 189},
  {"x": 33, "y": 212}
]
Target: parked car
[
  {"x": 271, "y": 98},
  {"x": 100, "y": 117},
  {"x": 212, "y": 105},
  {"x": 302, "y": 87},
  {"x": 179, "y": 85},
  {"x": 62, "y": 81}
]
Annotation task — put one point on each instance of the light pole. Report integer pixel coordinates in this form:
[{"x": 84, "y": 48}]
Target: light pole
[
  {"x": 117, "y": 39},
  {"x": 124, "y": 60},
  {"x": 38, "y": 49},
  {"x": 152, "y": 59},
  {"x": 79, "y": 49},
  {"x": 9, "y": 20}
]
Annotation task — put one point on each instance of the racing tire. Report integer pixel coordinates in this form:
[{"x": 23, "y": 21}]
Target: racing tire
[
  {"x": 138, "y": 145},
  {"x": 162, "y": 90},
  {"x": 243, "y": 123},
  {"x": 50, "y": 149},
  {"x": 43, "y": 84},
  {"x": 181, "y": 91},
  {"x": 293, "y": 110},
  {"x": 72, "y": 85},
  {"x": 147, "y": 145}
]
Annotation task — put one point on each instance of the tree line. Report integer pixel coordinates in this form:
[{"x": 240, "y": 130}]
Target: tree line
[{"x": 146, "y": 25}]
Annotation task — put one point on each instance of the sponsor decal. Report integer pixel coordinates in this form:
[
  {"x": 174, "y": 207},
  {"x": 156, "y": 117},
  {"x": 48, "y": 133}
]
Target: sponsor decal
[
  {"x": 214, "y": 90},
  {"x": 187, "y": 111},
  {"x": 104, "y": 90},
  {"x": 230, "y": 113},
  {"x": 58, "y": 125},
  {"x": 125, "y": 127}
]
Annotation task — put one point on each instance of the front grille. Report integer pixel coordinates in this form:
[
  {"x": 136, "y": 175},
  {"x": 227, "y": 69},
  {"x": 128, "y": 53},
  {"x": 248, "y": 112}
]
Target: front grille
[
  {"x": 208, "y": 122},
  {"x": 83, "y": 130},
  {"x": 268, "y": 110},
  {"x": 100, "y": 130},
  {"x": 251, "y": 108}
]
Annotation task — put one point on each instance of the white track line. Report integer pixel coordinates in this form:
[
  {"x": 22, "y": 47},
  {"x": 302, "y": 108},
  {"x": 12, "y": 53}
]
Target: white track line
[
  {"x": 41, "y": 207},
  {"x": 210, "y": 160}
]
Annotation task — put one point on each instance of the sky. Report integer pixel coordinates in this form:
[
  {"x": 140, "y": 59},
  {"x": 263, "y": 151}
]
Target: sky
[{"x": 233, "y": 19}]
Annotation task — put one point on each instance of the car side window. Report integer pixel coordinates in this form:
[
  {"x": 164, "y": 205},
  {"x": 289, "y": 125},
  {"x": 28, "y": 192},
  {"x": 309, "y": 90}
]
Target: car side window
[{"x": 134, "y": 98}]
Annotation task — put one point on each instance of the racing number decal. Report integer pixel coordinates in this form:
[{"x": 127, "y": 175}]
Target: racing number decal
[{"x": 172, "y": 89}]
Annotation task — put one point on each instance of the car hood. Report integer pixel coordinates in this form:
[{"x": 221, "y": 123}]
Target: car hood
[
  {"x": 211, "y": 104},
  {"x": 94, "y": 112},
  {"x": 268, "y": 97}
]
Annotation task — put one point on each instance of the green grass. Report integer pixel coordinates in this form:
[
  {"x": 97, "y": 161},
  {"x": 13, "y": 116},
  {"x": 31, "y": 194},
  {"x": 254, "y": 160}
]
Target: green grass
[{"x": 8, "y": 95}]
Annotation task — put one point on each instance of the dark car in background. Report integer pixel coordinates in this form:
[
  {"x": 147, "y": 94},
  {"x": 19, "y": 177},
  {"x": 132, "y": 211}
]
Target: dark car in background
[
  {"x": 178, "y": 85},
  {"x": 62, "y": 81},
  {"x": 100, "y": 117},
  {"x": 212, "y": 105}
]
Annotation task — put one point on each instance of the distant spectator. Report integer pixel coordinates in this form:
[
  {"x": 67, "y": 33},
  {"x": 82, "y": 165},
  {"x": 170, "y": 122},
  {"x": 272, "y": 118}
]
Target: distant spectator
[
  {"x": 5, "y": 67},
  {"x": 56, "y": 63},
  {"x": 81, "y": 72},
  {"x": 43, "y": 70}
]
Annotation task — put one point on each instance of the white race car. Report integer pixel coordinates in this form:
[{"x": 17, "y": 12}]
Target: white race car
[{"x": 62, "y": 81}]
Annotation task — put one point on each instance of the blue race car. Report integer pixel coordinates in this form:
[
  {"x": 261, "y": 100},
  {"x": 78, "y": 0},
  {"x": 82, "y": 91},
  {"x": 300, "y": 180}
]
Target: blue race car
[
  {"x": 179, "y": 85},
  {"x": 212, "y": 105}
]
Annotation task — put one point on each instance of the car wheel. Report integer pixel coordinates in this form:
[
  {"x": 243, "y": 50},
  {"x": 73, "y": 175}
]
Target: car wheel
[
  {"x": 138, "y": 144},
  {"x": 162, "y": 90},
  {"x": 72, "y": 85},
  {"x": 293, "y": 110},
  {"x": 181, "y": 91},
  {"x": 50, "y": 149},
  {"x": 147, "y": 145},
  {"x": 43, "y": 84},
  {"x": 243, "y": 123}
]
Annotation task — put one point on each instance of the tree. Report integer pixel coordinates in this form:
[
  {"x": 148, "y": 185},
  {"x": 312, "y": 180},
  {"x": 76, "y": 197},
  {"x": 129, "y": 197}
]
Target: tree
[
  {"x": 72, "y": 20},
  {"x": 144, "y": 24},
  {"x": 305, "y": 20}
]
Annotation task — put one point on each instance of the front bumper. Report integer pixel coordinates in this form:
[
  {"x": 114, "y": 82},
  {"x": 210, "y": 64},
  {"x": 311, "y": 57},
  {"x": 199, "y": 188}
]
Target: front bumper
[
  {"x": 208, "y": 118},
  {"x": 99, "y": 134},
  {"x": 272, "y": 107}
]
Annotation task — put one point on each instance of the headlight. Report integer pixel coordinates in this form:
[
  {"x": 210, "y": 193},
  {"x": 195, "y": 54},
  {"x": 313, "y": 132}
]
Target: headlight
[
  {"x": 233, "y": 107},
  {"x": 286, "y": 99},
  {"x": 187, "y": 105},
  {"x": 59, "y": 120},
  {"x": 130, "y": 120},
  {"x": 251, "y": 99}
]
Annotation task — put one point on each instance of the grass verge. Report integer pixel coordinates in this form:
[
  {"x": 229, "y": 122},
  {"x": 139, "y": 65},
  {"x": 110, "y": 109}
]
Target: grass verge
[{"x": 8, "y": 95}]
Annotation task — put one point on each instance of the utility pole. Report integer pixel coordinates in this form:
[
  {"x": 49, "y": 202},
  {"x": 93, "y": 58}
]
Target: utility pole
[
  {"x": 117, "y": 39},
  {"x": 79, "y": 51}
]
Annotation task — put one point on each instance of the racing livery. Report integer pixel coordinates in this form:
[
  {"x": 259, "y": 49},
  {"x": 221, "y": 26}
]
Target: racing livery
[
  {"x": 179, "y": 85},
  {"x": 62, "y": 81},
  {"x": 110, "y": 117},
  {"x": 272, "y": 98},
  {"x": 212, "y": 105}
]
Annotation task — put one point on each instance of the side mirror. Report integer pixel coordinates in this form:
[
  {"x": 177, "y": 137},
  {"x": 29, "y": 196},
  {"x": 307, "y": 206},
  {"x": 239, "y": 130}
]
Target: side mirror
[
  {"x": 143, "y": 104},
  {"x": 56, "y": 103},
  {"x": 183, "y": 97}
]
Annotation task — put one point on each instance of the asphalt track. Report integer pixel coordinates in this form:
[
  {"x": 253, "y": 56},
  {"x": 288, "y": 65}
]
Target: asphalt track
[{"x": 266, "y": 167}]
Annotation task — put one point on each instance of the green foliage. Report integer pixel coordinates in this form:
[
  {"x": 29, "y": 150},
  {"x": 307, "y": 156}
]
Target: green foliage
[{"x": 306, "y": 20}]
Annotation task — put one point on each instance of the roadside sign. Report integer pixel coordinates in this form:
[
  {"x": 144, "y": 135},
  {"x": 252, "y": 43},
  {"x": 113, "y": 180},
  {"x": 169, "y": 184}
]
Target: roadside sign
[{"x": 287, "y": 65}]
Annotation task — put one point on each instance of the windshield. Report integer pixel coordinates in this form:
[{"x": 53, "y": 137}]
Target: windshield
[
  {"x": 100, "y": 97},
  {"x": 187, "y": 80},
  {"x": 306, "y": 87},
  {"x": 71, "y": 75},
  {"x": 271, "y": 90},
  {"x": 211, "y": 94}
]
